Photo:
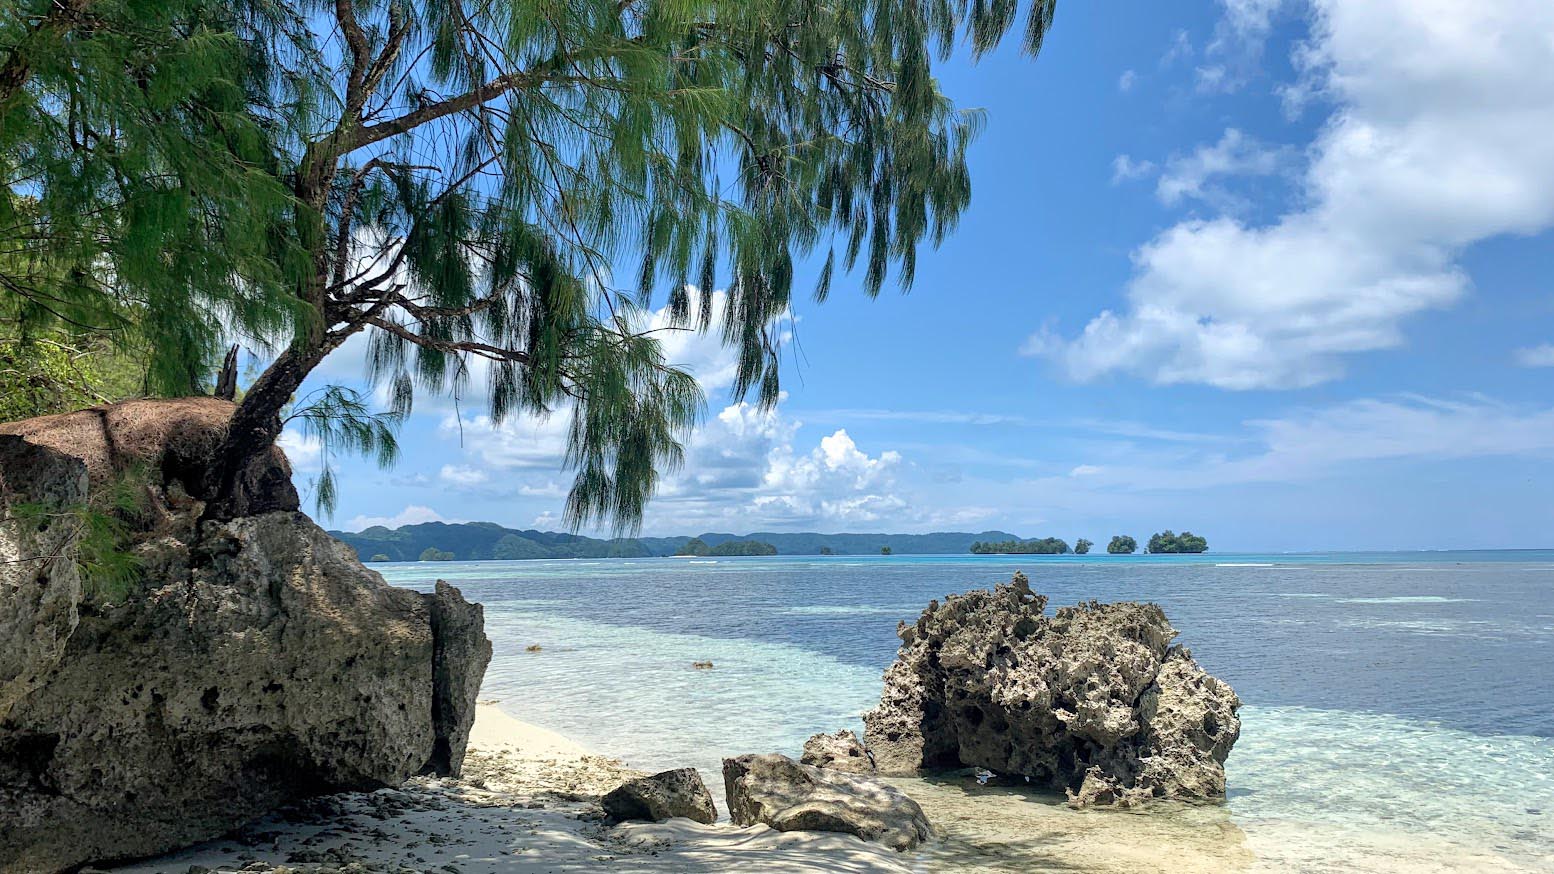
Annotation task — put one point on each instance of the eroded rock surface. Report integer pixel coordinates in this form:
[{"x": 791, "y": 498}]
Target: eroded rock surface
[
  {"x": 841, "y": 751},
  {"x": 250, "y": 663},
  {"x": 662, "y": 796},
  {"x": 1093, "y": 700},
  {"x": 789, "y": 796}
]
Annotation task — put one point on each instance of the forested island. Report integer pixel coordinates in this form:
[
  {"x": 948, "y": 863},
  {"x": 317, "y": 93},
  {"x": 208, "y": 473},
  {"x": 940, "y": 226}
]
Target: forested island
[
  {"x": 1167, "y": 542},
  {"x": 699, "y": 548},
  {"x": 487, "y": 541},
  {"x": 1043, "y": 546}
]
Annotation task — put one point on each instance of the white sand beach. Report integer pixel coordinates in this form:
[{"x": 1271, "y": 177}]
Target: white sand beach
[{"x": 526, "y": 804}]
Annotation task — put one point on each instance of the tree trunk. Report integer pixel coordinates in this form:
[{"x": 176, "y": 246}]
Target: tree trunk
[{"x": 231, "y": 489}]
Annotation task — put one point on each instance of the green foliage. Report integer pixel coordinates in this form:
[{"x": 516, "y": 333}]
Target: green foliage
[
  {"x": 884, "y": 550},
  {"x": 1082, "y": 547},
  {"x": 1044, "y": 546},
  {"x": 464, "y": 179},
  {"x": 140, "y": 190},
  {"x": 380, "y": 557},
  {"x": 1170, "y": 543},
  {"x": 743, "y": 547},
  {"x": 695, "y": 546},
  {"x": 44, "y": 375},
  {"x": 101, "y": 549},
  {"x": 339, "y": 420},
  {"x": 432, "y": 553},
  {"x": 826, "y": 550},
  {"x": 1122, "y": 544}
]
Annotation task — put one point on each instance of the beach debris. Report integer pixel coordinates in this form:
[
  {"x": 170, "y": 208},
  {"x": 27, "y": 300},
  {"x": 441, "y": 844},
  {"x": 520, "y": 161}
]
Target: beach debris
[
  {"x": 702, "y": 666},
  {"x": 1093, "y": 700},
  {"x": 662, "y": 796},
  {"x": 984, "y": 775},
  {"x": 841, "y": 751},
  {"x": 533, "y": 647},
  {"x": 789, "y": 796}
]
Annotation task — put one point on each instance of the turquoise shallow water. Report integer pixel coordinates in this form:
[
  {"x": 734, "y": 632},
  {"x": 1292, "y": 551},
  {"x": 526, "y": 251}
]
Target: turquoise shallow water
[{"x": 1399, "y": 708}]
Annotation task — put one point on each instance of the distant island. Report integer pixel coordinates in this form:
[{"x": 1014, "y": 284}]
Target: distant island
[
  {"x": 484, "y": 541},
  {"x": 1167, "y": 542},
  {"x": 698, "y": 547},
  {"x": 1044, "y": 546}
]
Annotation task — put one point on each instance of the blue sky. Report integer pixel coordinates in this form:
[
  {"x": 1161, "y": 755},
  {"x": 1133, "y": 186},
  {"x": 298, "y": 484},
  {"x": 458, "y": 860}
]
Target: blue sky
[{"x": 1277, "y": 272}]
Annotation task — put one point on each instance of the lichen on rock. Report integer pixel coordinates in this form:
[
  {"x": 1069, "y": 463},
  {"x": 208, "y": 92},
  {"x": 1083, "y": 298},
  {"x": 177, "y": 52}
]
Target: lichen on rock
[{"x": 1093, "y": 700}]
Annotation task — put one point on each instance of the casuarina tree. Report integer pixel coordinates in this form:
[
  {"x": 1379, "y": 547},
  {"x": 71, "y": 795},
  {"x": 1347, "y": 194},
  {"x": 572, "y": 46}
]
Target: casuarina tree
[{"x": 517, "y": 182}]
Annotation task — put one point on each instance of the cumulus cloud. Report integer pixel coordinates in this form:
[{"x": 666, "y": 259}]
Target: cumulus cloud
[
  {"x": 1438, "y": 140},
  {"x": 746, "y": 467},
  {"x": 413, "y": 514},
  {"x": 1127, "y": 80}
]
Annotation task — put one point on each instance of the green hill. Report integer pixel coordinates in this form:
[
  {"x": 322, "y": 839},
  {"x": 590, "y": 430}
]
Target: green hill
[{"x": 482, "y": 541}]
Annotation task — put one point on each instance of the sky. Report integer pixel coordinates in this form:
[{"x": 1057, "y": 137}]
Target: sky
[{"x": 1277, "y": 272}]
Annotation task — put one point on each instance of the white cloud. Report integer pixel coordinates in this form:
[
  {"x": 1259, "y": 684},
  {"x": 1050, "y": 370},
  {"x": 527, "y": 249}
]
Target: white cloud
[
  {"x": 1235, "y": 155},
  {"x": 1125, "y": 169},
  {"x": 411, "y": 515},
  {"x": 516, "y": 443},
  {"x": 1127, "y": 80},
  {"x": 1439, "y": 139},
  {"x": 1085, "y": 470},
  {"x": 1541, "y": 355},
  {"x": 1179, "y": 50},
  {"x": 1237, "y": 47},
  {"x": 461, "y": 476},
  {"x": 744, "y": 469},
  {"x": 305, "y": 453},
  {"x": 1327, "y": 441}
]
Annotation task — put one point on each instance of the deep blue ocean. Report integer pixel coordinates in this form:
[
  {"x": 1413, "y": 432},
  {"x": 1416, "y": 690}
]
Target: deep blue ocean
[{"x": 1398, "y": 706}]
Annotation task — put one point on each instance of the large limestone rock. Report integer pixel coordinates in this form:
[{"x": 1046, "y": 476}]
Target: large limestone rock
[
  {"x": 841, "y": 751},
  {"x": 661, "y": 796},
  {"x": 1093, "y": 700},
  {"x": 253, "y": 662},
  {"x": 789, "y": 796}
]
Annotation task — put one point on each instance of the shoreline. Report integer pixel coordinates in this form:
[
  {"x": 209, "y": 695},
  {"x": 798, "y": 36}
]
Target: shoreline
[{"x": 527, "y": 803}]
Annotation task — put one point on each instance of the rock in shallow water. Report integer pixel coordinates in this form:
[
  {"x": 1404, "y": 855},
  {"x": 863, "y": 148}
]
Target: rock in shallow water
[
  {"x": 256, "y": 662},
  {"x": 662, "y": 796},
  {"x": 1093, "y": 700},
  {"x": 789, "y": 796},
  {"x": 839, "y": 752}
]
